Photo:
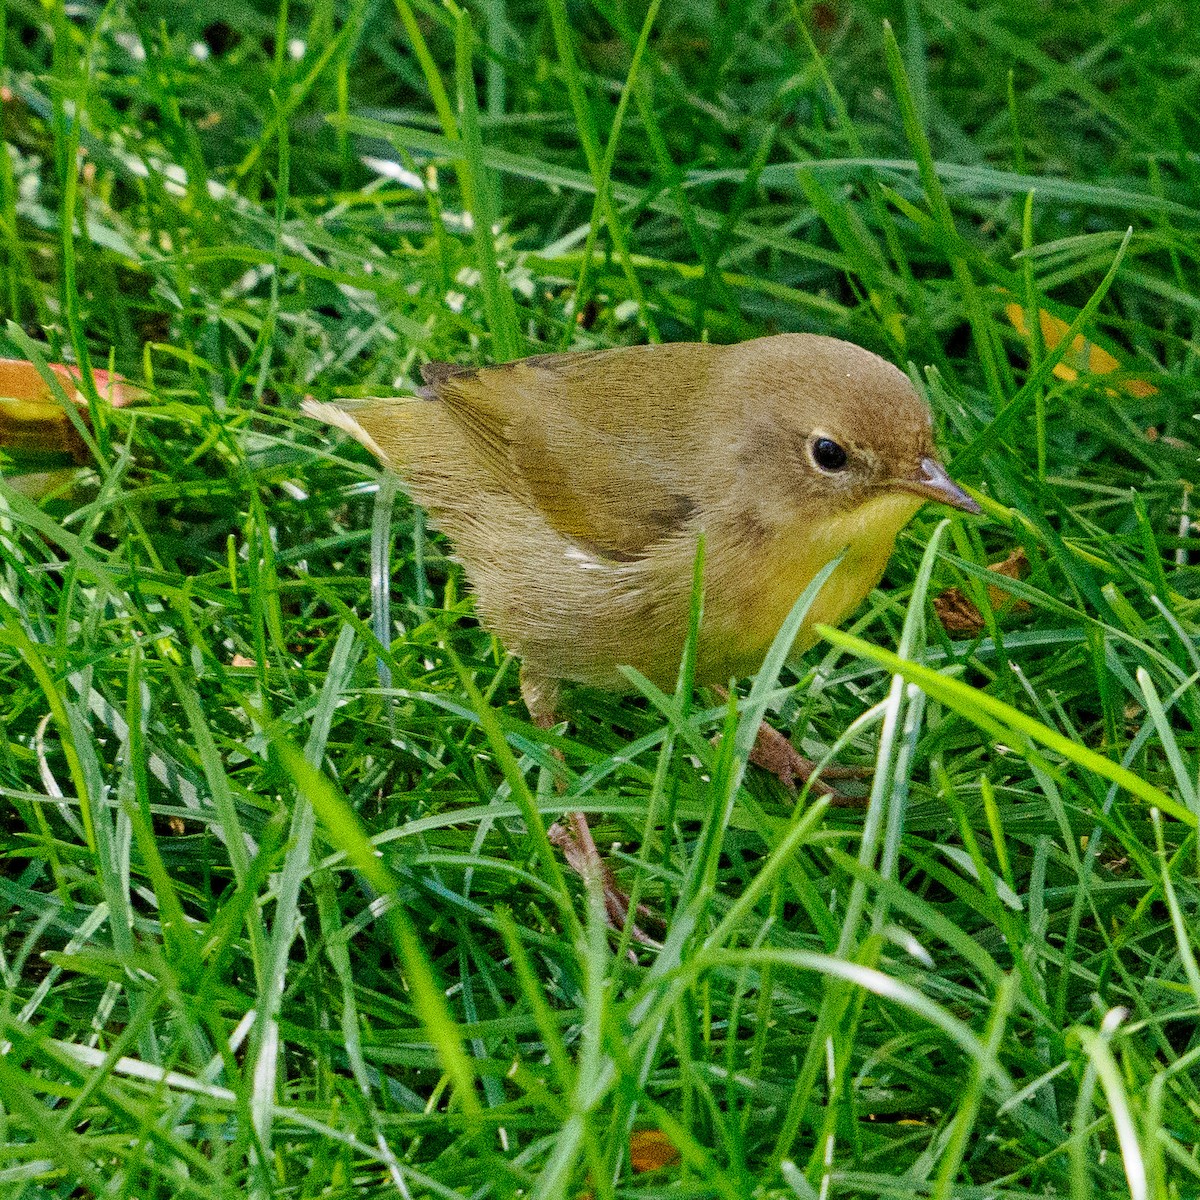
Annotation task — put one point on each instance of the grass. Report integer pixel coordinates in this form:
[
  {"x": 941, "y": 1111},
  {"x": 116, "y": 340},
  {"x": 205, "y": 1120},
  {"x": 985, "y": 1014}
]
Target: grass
[{"x": 279, "y": 913}]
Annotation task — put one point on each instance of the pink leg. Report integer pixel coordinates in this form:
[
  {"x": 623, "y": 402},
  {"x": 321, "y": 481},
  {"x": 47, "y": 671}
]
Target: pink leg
[
  {"x": 773, "y": 752},
  {"x": 572, "y": 835}
]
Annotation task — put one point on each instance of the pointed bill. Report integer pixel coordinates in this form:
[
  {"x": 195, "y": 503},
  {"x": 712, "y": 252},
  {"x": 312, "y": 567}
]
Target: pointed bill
[{"x": 933, "y": 483}]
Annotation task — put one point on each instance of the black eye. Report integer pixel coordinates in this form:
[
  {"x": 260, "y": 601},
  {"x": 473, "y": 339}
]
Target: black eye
[{"x": 828, "y": 455}]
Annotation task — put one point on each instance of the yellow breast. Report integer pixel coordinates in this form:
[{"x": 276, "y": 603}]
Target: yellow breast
[{"x": 747, "y": 603}]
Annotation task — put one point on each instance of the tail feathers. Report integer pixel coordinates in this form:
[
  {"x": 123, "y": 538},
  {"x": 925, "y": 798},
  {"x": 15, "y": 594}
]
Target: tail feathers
[{"x": 341, "y": 415}]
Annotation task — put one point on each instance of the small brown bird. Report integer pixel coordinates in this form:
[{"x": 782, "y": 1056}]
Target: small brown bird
[{"x": 574, "y": 488}]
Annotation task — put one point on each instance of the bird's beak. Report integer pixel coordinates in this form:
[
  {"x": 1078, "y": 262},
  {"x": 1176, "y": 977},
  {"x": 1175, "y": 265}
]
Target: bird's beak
[{"x": 932, "y": 483}]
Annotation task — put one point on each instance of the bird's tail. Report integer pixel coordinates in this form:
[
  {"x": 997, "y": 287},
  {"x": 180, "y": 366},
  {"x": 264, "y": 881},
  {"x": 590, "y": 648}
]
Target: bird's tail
[{"x": 357, "y": 417}]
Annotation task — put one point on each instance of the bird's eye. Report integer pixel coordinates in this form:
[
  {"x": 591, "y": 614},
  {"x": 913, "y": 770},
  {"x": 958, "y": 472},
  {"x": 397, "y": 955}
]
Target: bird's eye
[{"x": 828, "y": 455}]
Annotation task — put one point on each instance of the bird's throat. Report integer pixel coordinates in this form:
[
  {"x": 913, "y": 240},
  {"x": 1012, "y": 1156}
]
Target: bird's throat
[{"x": 765, "y": 597}]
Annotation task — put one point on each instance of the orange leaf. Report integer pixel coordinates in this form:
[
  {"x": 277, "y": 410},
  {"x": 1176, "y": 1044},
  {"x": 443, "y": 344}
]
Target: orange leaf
[
  {"x": 31, "y": 418},
  {"x": 651, "y": 1150},
  {"x": 1083, "y": 358}
]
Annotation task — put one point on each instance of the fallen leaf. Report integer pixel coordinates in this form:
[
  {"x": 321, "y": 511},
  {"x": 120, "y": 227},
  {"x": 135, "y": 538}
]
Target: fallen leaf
[
  {"x": 1083, "y": 358},
  {"x": 651, "y": 1150},
  {"x": 958, "y": 613},
  {"x": 32, "y": 421}
]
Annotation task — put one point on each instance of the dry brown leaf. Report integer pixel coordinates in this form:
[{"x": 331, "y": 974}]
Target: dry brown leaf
[
  {"x": 958, "y": 613},
  {"x": 651, "y": 1150}
]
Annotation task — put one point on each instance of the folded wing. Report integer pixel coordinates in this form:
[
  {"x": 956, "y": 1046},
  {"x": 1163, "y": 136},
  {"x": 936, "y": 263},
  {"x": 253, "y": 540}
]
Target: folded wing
[{"x": 609, "y": 446}]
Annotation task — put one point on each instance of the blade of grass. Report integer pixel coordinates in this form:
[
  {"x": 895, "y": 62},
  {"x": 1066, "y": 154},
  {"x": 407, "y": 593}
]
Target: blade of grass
[
  {"x": 998, "y": 718},
  {"x": 429, "y": 999},
  {"x": 475, "y": 181}
]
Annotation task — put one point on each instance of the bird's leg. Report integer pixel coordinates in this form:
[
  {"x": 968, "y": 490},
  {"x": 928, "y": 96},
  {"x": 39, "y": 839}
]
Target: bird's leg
[
  {"x": 572, "y": 835},
  {"x": 541, "y": 696},
  {"x": 775, "y": 753}
]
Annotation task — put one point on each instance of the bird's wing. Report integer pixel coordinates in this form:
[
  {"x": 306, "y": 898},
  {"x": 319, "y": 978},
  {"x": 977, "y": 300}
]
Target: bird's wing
[{"x": 608, "y": 446}]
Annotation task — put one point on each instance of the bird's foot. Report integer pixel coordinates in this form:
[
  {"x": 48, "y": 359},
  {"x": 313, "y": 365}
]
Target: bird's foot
[
  {"x": 773, "y": 752},
  {"x": 573, "y": 837}
]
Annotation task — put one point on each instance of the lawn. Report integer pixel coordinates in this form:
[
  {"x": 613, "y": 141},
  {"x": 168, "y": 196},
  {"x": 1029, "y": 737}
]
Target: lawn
[{"x": 279, "y": 913}]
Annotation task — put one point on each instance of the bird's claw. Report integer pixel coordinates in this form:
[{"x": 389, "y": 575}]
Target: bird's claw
[
  {"x": 578, "y": 847},
  {"x": 773, "y": 752}
]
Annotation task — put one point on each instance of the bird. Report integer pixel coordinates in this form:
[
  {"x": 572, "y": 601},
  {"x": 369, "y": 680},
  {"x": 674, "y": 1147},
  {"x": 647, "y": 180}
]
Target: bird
[{"x": 574, "y": 488}]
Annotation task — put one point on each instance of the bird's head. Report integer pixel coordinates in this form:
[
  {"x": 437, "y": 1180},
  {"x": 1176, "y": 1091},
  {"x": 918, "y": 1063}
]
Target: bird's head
[{"x": 841, "y": 430}]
